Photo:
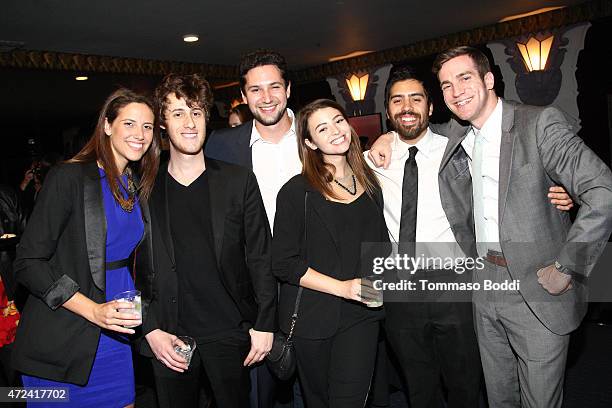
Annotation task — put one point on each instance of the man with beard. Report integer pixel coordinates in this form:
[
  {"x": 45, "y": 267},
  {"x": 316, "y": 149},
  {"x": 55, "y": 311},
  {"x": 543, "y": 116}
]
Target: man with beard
[
  {"x": 211, "y": 261},
  {"x": 431, "y": 340},
  {"x": 448, "y": 207}
]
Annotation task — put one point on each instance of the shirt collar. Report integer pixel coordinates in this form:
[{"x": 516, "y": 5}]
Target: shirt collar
[
  {"x": 492, "y": 125},
  {"x": 425, "y": 145},
  {"x": 255, "y": 136}
]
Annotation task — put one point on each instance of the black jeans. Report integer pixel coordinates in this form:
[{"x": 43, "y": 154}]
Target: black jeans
[
  {"x": 219, "y": 363},
  {"x": 336, "y": 372}
]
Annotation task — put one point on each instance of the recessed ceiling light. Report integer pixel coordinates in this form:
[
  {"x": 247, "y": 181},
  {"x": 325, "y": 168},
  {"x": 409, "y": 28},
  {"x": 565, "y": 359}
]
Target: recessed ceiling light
[
  {"x": 190, "y": 38},
  {"x": 81, "y": 78}
]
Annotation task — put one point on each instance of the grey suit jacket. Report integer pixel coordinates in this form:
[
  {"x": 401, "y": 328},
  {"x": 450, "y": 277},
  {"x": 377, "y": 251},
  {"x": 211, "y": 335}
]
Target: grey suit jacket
[{"x": 538, "y": 150}]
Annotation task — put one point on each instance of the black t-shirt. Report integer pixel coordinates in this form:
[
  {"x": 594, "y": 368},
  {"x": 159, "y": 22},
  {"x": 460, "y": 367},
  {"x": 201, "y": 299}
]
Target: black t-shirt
[
  {"x": 206, "y": 310},
  {"x": 355, "y": 223}
]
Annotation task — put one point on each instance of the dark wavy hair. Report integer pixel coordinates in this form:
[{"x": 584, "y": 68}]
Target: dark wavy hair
[
  {"x": 403, "y": 74},
  {"x": 480, "y": 59},
  {"x": 194, "y": 89},
  {"x": 99, "y": 149},
  {"x": 319, "y": 173},
  {"x": 259, "y": 58}
]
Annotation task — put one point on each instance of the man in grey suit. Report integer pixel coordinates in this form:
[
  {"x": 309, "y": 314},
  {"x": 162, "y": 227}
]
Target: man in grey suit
[{"x": 516, "y": 152}]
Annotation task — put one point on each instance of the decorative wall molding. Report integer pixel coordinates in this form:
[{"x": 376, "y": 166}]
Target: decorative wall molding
[
  {"x": 94, "y": 63},
  {"x": 115, "y": 65},
  {"x": 514, "y": 28}
]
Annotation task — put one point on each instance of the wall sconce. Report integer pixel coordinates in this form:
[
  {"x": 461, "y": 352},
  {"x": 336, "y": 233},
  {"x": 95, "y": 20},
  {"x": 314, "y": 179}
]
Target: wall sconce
[
  {"x": 536, "y": 59},
  {"x": 535, "y": 53},
  {"x": 357, "y": 86}
]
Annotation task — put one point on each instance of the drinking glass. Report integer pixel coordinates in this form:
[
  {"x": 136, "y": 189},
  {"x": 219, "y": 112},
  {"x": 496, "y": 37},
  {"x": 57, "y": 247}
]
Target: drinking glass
[
  {"x": 373, "y": 297},
  {"x": 184, "y": 346},
  {"x": 131, "y": 296}
]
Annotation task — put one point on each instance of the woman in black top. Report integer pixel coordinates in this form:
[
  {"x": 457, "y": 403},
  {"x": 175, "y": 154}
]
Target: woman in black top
[{"x": 322, "y": 217}]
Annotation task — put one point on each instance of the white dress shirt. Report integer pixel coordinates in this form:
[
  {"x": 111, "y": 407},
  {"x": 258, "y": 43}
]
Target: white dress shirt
[
  {"x": 274, "y": 164},
  {"x": 491, "y": 139},
  {"x": 432, "y": 225}
]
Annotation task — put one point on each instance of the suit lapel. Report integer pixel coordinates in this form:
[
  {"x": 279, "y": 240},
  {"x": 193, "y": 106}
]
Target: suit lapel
[
  {"x": 455, "y": 134},
  {"x": 505, "y": 155},
  {"x": 159, "y": 201},
  {"x": 95, "y": 224},
  {"x": 218, "y": 192},
  {"x": 147, "y": 237}
]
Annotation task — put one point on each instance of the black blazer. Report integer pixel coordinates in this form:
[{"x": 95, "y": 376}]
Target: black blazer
[
  {"x": 319, "y": 313},
  {"x": 231, "y": 145},
  {"x": 62, "y": 251},
  {"x": 242, "y": 247}
]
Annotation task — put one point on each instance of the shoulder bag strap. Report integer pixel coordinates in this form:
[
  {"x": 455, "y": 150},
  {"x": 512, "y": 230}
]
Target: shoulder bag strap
[{"x": 294, "y": 316}]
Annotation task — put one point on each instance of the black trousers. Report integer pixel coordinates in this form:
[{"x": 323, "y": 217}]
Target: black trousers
[
  {"x": 435, "y": 344},
  {"x": 8, "y": 376},
  {"x": 263, "y": 386},
  {"x": 336, "y": 372},
  {"x": 220, "y": 364}
]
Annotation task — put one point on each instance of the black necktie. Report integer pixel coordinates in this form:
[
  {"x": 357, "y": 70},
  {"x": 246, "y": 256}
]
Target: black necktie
[{"x": 410, "y": 193}]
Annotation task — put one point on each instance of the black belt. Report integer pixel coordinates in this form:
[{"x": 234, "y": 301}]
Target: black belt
[{"x": 117, "y": 264}]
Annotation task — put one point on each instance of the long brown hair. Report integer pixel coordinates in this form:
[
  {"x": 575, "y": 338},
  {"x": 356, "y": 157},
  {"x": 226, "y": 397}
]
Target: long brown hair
[
  {"x": 98, "y": 148},
  {"x": 319, "y": 173}
]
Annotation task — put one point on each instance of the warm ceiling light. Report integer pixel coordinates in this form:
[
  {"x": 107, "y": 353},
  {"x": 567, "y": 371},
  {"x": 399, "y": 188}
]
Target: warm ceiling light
[
  {"x": 350, "y": 55},
  {"x": 81, "y": 78},
  {"x": 535, "y": 53},
  {"x": 531, "y": 13},
  {"x": 235, "y": 102},
  {"x": 357, "y": 86},
  {"x": 190, "y": 38}
]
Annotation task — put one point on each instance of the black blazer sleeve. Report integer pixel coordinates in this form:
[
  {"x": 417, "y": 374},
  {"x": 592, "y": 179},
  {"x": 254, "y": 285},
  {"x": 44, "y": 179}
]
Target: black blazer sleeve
[
  {"x": 288, "y": 247},
  {"x": 257, "y": 242},
  {"x": 38, "y": 244}
]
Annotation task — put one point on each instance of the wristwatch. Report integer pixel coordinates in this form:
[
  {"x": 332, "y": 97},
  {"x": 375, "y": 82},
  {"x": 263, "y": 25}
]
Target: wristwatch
[{"x": 563, "y": 269}]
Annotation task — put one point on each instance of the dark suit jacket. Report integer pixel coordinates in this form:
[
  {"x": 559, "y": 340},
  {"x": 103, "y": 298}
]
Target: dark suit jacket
[
  {"x": 241, "y": 243},
  {"x": 319, "y": 313},
  {"x": 62, "y": 251},
  {"x": 231, "y": 145}
]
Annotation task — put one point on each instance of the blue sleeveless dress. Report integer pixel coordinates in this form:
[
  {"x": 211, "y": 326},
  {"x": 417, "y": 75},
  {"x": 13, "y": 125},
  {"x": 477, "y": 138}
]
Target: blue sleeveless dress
[{"x": 111, "y": 382}]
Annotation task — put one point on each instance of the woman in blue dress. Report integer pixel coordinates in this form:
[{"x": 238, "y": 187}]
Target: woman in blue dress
[{"x": 74, "y": 256}]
